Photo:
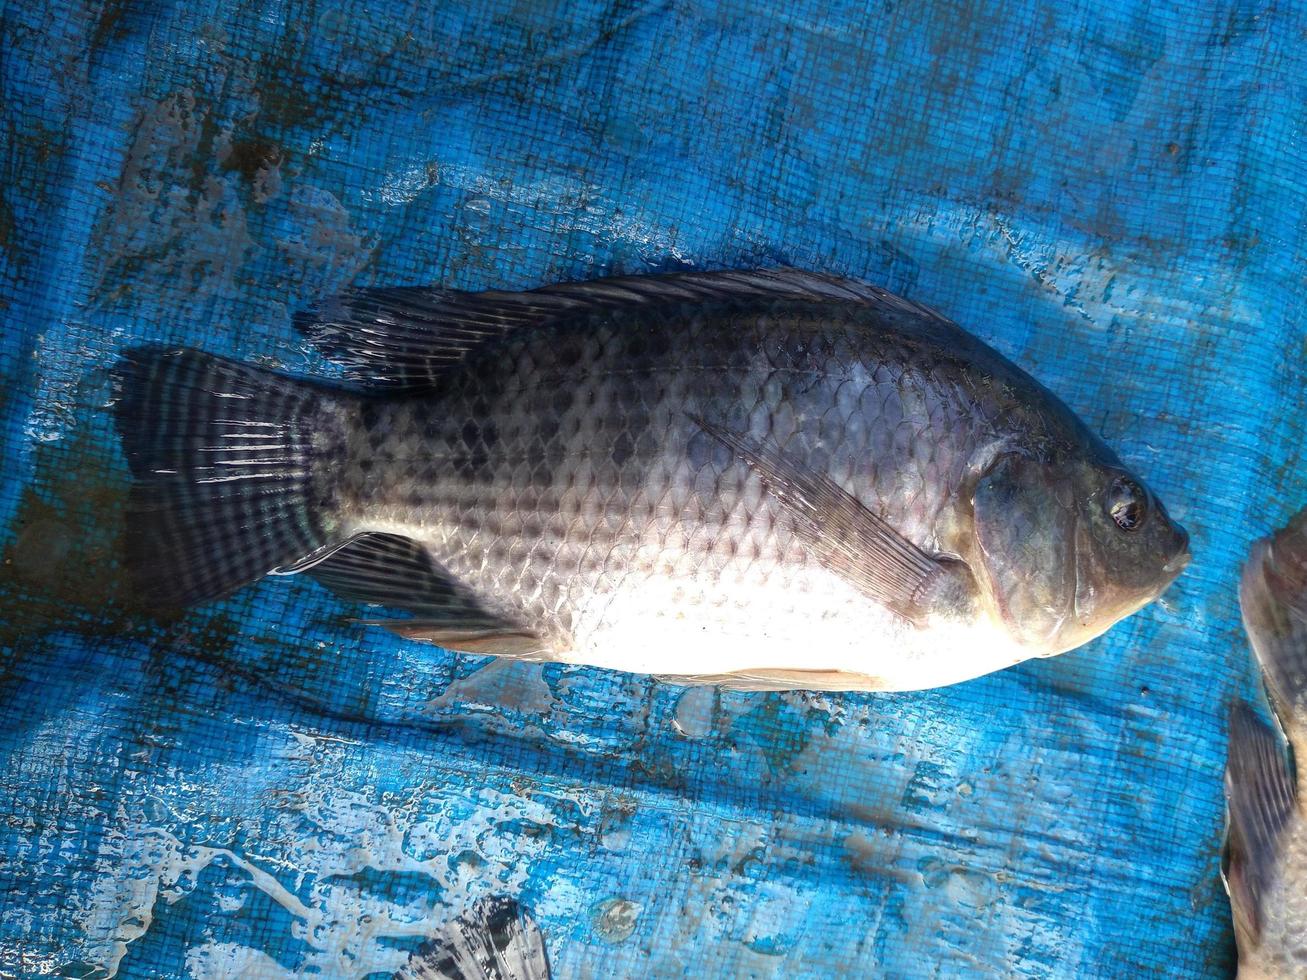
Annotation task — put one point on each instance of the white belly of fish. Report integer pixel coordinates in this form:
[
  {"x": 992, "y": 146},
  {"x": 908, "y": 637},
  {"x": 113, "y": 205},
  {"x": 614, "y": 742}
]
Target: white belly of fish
[{"x": 808, "y": 623}]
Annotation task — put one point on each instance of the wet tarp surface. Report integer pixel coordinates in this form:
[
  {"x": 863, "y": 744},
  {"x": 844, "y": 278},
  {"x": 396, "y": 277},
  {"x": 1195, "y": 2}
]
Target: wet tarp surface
[{"x": 1109, "y": 192}]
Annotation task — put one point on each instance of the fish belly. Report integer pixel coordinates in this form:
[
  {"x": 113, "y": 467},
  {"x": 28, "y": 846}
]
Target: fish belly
[{"x": 803, "y": 619}]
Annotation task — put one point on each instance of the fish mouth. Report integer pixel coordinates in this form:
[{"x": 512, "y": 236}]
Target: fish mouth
[
  {"x": 1180, "y": 560},
  {"x": 1177, "y": 564}
]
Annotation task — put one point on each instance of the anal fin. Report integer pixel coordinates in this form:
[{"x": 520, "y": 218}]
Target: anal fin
[
  {"x": 502, "y": 640},
  {"x": 400, "y": 573}
]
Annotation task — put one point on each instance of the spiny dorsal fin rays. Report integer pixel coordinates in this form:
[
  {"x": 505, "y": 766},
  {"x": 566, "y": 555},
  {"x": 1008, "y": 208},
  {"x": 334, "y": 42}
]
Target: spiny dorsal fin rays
[
  {"x": 1273, "y": 601},
  {"x": 406, "y": 337}
]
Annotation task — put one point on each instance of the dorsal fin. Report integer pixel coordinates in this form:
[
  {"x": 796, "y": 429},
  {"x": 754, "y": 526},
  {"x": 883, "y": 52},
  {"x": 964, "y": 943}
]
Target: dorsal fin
[{"x": 405, "y": 337}]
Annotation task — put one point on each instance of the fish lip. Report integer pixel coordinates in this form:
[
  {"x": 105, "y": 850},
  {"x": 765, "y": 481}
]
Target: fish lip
[
  {"x": 1177, "y": 564},
  {"x": 1179, "y": 561}
]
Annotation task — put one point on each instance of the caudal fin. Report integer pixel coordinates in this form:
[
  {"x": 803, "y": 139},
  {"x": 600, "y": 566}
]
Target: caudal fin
[
  {"x": 227, "y": 478},
  {"x": 494, "y": 940}
]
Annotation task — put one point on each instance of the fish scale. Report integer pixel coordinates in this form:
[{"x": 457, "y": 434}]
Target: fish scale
[
  {"x": 762, "y": 479},
  {"x": 515, "y": 477}
]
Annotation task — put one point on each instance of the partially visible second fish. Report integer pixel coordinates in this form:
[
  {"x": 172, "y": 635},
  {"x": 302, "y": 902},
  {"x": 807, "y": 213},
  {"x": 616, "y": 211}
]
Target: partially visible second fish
[
  {"x": 494, "y": 940},
  {"x": 1266, "y": 849}
]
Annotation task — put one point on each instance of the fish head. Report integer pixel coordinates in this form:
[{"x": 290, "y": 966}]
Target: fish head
[
  {"x": 1069, "y": 548},
  {"x": 1128, "y": 549}
]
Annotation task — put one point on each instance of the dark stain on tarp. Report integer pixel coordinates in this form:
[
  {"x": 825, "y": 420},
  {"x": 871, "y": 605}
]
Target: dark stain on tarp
[
  {"x": 299, "y": 93},
  {"x": 251, "y": 157},
  {"x": 57, "y": 569},
  {"x": 60, "y": 569},
  {"x": 61, "y": 572},
  {"x": 8, "y": 226},
  {"x": 110, "y": 25}
]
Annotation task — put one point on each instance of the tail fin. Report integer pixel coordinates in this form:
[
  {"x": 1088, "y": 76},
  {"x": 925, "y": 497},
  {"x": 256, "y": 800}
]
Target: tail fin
[
  {"x": 226, "y": 483},
  {"x": 494, "y": 940}
]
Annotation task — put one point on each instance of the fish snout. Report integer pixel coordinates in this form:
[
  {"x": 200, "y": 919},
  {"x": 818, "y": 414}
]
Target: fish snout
[{"x": 1180, "y": 554}]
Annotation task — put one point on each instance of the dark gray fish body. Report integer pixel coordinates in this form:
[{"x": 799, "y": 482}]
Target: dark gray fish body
[
  {"x": 765, "y": 479},
  {"x": 1266, "y": 847}
]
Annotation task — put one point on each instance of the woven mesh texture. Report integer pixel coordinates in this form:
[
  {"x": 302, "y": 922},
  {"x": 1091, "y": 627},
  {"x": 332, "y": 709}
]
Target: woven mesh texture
[{"x": 1111, "y": 193}]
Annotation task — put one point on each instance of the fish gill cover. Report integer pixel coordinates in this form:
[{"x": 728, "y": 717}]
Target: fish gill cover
[{"x": 1108, "y": 193}]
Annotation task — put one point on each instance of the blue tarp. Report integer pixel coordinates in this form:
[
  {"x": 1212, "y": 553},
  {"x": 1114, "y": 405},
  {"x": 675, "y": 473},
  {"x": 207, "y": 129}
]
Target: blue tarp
[{"x": 1109, "y": 192}]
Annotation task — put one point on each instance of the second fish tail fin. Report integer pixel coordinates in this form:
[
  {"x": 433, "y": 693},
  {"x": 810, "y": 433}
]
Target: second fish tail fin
[
  {"x": 231, "y": 472},
  {"x": 494, "y": 940}
]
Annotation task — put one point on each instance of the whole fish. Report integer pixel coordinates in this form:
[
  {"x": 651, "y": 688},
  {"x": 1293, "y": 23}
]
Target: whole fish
[
  {"x": 765, "y": 480},
  {"x": 493, "y": 940},
  {"x": 1266, "y": 845}
]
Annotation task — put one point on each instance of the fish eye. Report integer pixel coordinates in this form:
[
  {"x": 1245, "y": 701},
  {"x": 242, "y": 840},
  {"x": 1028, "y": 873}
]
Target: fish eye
[{"x": 1126, "y": 503}]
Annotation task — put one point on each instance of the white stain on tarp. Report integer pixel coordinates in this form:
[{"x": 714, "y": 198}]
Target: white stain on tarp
[
  {"x": 229, "y": 961},
  {"x": 577, "y": 205},
  {"x": 156, "y": 866},
  {"x": 182, "y": 212},
  {"x": 777, "y": 917},
  {"x": 695, "y": 707},
  {"x": 467, "y": 847}
]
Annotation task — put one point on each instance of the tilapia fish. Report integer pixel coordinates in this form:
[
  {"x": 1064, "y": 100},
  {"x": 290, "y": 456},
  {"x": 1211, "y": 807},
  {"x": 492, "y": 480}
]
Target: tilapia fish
[
  {"x": 764, "y": 480},
  {"x": 1266, "y": 845}
]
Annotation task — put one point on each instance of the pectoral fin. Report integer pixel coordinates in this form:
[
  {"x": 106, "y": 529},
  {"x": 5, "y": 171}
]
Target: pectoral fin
[{"x": 849, "y": 539}]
